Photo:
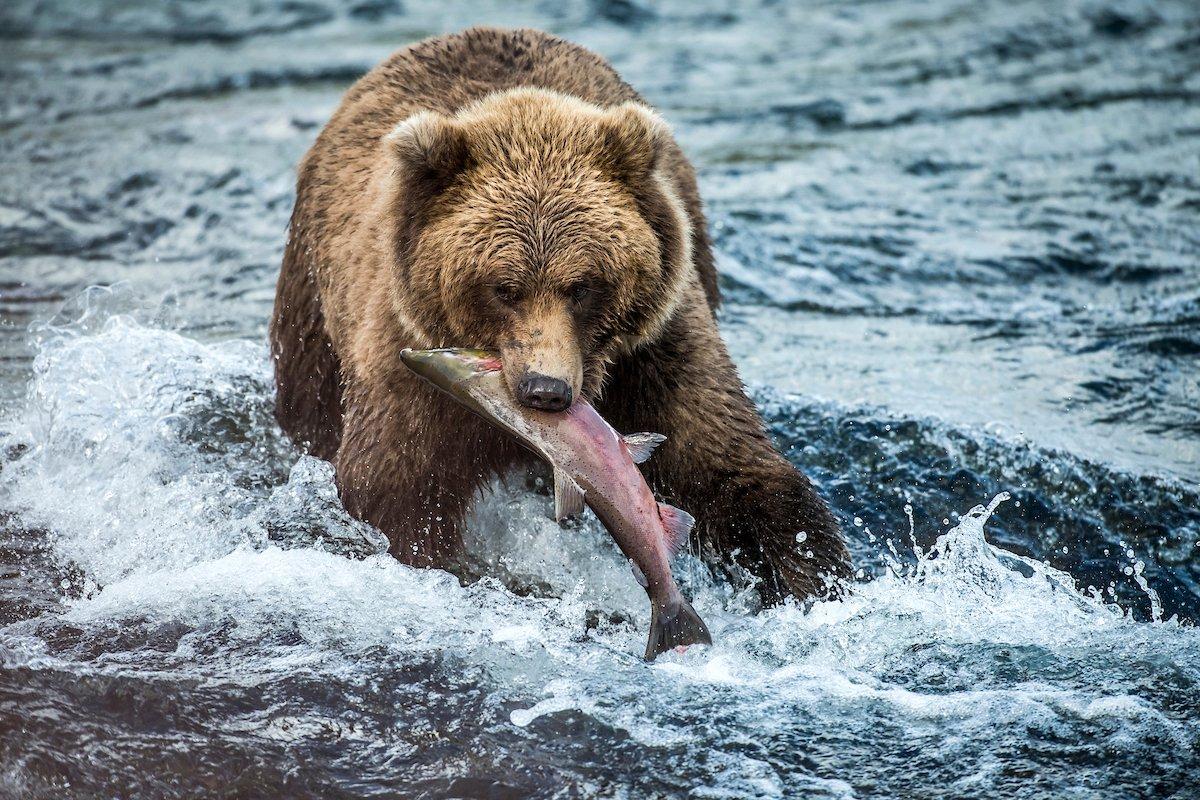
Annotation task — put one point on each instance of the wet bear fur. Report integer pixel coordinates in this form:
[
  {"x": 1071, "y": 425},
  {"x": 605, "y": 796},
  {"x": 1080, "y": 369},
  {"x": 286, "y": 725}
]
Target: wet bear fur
[{"x": 505, "y": 189}]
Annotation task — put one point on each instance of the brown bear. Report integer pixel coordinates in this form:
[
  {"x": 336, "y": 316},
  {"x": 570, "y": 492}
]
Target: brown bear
[{"x": 505, "y": 189}]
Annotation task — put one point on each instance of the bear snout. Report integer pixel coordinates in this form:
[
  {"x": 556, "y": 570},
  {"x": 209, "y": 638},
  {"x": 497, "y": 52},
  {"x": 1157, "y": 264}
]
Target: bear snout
[
  {"x": 544, "y": 393},
  {"x": 543, "y": 362}
]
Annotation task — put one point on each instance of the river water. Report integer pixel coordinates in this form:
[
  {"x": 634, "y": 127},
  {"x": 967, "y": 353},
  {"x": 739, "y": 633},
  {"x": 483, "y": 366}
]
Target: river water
[{"x": 960, "y": 247}]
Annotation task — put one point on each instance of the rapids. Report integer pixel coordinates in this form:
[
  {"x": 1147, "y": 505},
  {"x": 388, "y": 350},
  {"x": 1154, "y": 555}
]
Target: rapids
[{"x": 959, "y": 251}]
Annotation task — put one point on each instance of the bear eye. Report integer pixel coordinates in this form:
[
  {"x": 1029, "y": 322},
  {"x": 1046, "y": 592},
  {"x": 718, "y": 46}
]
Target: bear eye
[
  {"x": 580, "y": 293},
  {"x": 506, "y": 294}
]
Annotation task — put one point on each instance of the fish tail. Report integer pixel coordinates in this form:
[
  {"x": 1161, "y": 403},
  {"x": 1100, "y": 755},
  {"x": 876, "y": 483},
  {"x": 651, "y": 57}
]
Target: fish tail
[{"x": 675, "y": 624}]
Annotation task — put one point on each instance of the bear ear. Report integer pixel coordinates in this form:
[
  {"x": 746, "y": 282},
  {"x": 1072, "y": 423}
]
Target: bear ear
[
  {"x": 430, "y": 147},
  {"x": 633, "y": 138}
]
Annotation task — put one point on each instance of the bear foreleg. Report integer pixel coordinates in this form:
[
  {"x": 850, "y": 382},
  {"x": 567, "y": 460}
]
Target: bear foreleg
[
  {"x": 750, "y": 503},
  {"x": 410, "y": 463}
]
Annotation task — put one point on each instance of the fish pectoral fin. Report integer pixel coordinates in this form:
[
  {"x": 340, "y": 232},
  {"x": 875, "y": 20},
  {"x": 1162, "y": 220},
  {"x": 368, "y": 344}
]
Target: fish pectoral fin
[
  {"x": 638, "y": 575},
  {"x": 641, "y": 445},
  {"x": 568, "y": 496},
  {"x": 677, "y": 523}
]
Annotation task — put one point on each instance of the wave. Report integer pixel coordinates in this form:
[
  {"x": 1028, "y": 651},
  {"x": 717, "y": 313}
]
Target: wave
[{"x": 210, "y": 554}]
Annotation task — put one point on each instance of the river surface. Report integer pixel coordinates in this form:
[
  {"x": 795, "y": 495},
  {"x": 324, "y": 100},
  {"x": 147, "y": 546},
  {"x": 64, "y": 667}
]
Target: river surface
[{"x": 960, "y": 245}]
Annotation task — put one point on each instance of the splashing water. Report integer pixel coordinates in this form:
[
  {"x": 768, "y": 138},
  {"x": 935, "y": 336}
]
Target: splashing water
[
  {"x": 963, "y": 232},
  {"x": 218, "y": 580}
]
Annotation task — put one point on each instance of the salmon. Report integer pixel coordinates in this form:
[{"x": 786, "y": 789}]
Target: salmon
[{"x": 593, "y": 465}]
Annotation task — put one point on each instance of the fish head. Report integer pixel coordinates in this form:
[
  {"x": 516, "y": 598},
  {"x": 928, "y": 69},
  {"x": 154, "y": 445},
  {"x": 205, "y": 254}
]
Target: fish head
[{"x": 451, "y": 369}]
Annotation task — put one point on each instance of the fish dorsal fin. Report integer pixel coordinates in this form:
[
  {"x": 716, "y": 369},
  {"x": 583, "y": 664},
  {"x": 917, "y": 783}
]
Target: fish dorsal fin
[
  {"x": 568, "y": 496},
  {"x": 641, "y": 445},
  {"x": 638, "y": 575},
  {"x": 677, "y": 523}
]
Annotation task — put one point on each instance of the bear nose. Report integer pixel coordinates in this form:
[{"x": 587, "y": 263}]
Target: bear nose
[{"x": 544, "y": 393}]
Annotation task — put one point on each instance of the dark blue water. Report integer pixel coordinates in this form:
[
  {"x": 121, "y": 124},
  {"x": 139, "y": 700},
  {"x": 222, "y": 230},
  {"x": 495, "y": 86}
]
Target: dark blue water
[{"x": 960, "y": 246}]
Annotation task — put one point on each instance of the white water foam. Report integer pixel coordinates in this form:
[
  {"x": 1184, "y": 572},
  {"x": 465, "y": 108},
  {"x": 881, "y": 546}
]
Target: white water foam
[{"x": 151, "y": 460}]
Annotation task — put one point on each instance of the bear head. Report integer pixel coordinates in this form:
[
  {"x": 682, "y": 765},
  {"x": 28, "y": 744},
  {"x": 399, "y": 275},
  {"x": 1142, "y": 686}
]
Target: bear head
[{"x": 541, "y": 226}]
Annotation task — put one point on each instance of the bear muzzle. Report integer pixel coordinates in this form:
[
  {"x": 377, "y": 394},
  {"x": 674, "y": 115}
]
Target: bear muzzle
[{"x": 543, "y": 364}]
